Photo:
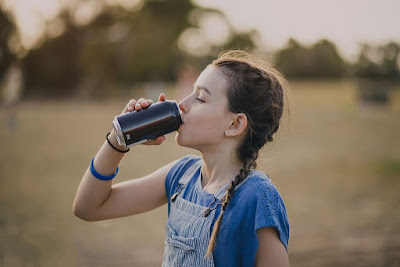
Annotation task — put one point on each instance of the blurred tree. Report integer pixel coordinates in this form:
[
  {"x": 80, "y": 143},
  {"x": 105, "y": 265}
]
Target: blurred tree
[
  {"x": 150, "y": 51},
  {"x": 118, "y": 46},
  {"x": 320, "y": 60},
  {"x": 7, "y": 31},
  {"x": 294, "y": 59},
  {"x": 53, "y": 68},
  {"x": 377, "y": 69},
  {"x": 237, "y": 41},
  {"x": 242, "y": 41},
  {"x": 390, "y": 60},
  {"x": 379, "y": 62},
  {"x": 364, "y": 66},
  {"x": 326, "y": 60}
]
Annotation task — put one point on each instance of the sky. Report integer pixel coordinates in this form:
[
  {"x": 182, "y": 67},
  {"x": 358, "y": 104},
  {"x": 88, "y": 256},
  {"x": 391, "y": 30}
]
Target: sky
[{"x": 346, "y": 22}]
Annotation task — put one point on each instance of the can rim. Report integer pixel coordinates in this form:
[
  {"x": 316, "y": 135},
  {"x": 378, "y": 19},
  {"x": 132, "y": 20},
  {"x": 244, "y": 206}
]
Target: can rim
[
  {"x": 120, "y": 136},
  {"x": 179, "y": 112}
]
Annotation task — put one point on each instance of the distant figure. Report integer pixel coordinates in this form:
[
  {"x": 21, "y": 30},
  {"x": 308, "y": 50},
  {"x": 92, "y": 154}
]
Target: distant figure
[
  {"x": 374, "y": 92},
  {"x": 11, "y": 95}
]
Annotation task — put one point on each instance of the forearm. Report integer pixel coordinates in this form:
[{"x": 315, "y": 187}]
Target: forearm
[
  {"x": 94, "y": 198},
  {"x": 93, "y": 192}
]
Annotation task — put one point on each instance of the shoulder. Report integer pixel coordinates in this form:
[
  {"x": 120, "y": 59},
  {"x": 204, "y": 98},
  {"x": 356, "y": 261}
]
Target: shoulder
[
  {"x": 258, "y": 190},
  {"x": 265, "y": 191},
  {"x": 258, "y": 185}
]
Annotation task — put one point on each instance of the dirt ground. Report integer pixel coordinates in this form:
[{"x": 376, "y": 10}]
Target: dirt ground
[{"x": 336, "y": 164}]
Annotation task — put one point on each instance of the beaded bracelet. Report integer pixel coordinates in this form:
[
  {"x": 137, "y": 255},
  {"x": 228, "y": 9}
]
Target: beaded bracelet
[
  {"x": 100, "y": 176},
  {"x": 116, "y": 149}
]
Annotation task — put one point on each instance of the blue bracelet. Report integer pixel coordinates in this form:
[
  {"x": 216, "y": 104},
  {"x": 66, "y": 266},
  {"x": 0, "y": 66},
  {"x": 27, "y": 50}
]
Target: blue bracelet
[{"x": 100, "y": 176}]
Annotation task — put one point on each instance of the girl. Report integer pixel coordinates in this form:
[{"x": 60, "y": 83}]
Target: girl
[{"x": 221, "y": 211}]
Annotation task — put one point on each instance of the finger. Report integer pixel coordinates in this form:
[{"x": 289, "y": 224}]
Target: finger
[
  {"x": 156, "y": 141},
  {"x": 138, "y": 105},
  {"x": 146, "y": 103},
  {"x": 130, "y": 106},
  {"x": 162, "y": 97}
]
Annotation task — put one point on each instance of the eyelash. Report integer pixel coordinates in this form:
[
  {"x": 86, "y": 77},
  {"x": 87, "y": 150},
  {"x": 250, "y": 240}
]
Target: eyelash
[{"x": 200, "y": 100}]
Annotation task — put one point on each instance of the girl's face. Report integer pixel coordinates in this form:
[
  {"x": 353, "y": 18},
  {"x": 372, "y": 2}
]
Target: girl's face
[{"x": 205, "y": 111}]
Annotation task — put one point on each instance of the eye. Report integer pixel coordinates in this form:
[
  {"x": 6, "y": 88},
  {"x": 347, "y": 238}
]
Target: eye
[{"x": 200, "y": 100}]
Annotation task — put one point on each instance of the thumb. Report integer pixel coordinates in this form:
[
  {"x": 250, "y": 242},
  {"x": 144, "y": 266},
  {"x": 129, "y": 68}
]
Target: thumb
[{"x": 162, "y": 97}]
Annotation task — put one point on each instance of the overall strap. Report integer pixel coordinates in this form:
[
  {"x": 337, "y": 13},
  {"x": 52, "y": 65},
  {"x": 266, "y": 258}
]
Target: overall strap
[
  {"x": 184, "y": 180},
  {"x": 189, "y": 173}
]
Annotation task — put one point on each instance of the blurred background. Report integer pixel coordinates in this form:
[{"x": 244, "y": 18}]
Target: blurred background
[{"x": 68, "y": 67}]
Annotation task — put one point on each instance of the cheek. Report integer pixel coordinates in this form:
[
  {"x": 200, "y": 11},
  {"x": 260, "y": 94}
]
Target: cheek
[{"x": 208, "y": 123}]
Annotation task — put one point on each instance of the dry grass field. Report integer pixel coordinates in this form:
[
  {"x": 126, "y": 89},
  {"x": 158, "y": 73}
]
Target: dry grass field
[{"x": 336, "y": 164}]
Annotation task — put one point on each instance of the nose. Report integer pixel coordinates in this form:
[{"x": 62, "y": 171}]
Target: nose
[{"x": 183, "y": 105}]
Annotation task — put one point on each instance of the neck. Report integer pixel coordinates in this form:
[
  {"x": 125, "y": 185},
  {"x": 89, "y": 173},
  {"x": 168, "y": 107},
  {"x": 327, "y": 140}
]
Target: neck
[{"x": 219, "y": 166}]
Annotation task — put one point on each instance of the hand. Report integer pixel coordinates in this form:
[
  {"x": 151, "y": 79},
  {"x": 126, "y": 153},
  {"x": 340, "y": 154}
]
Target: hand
[{"x": 134, "y": 104}]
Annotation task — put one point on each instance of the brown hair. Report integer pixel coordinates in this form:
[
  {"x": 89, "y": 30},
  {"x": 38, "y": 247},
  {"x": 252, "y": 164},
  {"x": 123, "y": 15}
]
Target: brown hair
[{"x": 256, "y": 89}]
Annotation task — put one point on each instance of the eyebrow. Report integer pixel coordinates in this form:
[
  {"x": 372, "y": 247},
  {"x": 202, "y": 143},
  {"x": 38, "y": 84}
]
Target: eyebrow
[{"x": 205, "y": 89}]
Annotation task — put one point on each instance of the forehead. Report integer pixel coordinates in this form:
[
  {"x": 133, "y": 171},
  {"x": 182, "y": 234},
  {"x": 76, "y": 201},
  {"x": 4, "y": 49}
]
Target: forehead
[{"x": 212, "y": 79}]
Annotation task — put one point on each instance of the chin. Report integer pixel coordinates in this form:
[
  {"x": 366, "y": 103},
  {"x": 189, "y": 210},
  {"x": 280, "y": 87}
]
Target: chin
[
  {"x": 182, "y": 142},
  {"x": 178, "y": 139}
]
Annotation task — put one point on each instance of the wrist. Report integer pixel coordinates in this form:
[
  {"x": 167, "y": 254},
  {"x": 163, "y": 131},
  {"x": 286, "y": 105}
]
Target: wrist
[{"x": 111, "y": 138}]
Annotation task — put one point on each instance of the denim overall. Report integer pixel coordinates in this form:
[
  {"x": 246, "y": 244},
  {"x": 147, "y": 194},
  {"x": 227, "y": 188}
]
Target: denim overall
[{"x": 189, "y": 227}]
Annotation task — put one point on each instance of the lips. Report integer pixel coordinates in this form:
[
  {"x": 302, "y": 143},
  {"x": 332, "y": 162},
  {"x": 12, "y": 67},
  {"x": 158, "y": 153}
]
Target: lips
[{"x": 180, "y": 126}]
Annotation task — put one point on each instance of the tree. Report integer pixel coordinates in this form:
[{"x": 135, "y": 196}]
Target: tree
[
  {"x": 53, "y": 68},
  {"x": 7, "y": 31},
  {"x": 378, "y": 62},
  {"x": 327, "y": 61},
  {"x": 242, "y": 41},
  {"x": 118, "y": 46},
  {"x": 294, "y": 60},
  {"x": 319, "y": 60},
  {"x": 377, "y": 69},
  {"x": 391, "y": 60}
]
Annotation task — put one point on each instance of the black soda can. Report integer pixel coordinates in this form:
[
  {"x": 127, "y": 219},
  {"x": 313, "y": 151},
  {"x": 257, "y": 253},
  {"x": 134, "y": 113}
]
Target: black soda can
[{"x": 139, "y": 126}]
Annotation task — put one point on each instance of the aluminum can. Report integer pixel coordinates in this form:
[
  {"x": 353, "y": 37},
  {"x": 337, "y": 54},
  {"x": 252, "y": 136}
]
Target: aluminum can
[{"x": 139, "y": 126}]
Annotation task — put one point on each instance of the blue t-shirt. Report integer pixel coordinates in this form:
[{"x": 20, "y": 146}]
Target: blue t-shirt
[{"x": 255, "y": 204}]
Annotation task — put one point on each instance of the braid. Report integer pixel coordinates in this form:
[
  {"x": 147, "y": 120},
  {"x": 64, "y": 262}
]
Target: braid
[
  {"x": 247, "y": 166},
  {"x": 255, "y": 89}
]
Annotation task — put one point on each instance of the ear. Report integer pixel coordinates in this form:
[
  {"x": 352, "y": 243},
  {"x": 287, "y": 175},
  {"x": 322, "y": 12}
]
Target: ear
[{"x": 238, "y": 125}]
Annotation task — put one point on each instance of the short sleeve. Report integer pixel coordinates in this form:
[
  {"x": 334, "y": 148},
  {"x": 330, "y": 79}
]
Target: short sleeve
[{"x": 271, "y": 210}]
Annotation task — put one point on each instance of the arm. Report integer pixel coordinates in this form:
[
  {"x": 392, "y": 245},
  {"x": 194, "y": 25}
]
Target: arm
[
  {"x": 271, "y": 251},
  {"x": 100, "y": 200}
]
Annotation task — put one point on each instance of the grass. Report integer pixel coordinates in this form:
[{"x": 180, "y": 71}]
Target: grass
[
  {"x": 390, "y": 168},
  {"x": 330, "y": 164}
]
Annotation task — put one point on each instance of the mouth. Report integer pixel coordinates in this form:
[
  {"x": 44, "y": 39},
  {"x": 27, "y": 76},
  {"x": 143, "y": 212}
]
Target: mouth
[{"x": 180, "y": 127}]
